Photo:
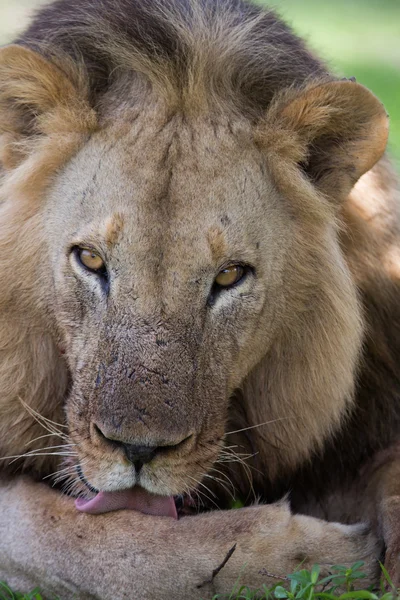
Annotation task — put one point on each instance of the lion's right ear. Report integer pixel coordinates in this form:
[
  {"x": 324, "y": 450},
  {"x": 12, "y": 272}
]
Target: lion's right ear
[{"x": 38, "y": 97}]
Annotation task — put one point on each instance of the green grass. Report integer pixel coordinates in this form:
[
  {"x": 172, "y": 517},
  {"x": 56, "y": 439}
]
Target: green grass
[
  {"x": 342, "y": 583},
  {"x": 7, "y": 594}
]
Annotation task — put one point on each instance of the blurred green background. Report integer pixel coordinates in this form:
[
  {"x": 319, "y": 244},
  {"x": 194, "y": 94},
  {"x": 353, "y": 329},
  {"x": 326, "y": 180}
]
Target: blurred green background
[{"x": 355, "y": 37}]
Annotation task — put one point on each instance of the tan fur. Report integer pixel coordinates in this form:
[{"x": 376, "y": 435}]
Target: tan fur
[
  {"x": 113, "y": 228},
  {"x": 169, "y": 179},
  {"x": 308, "y": 126},
  {"x": 110, "y": 555},
  {"x": 27, "y": 349},
  {"x": 216, "y": 239}
]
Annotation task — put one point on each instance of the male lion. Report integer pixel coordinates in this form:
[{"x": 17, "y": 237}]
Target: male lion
[{"x": 200, "y": 263}]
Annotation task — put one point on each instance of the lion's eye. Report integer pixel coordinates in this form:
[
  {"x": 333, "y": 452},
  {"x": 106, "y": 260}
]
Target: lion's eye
[
  {"x": 229, "y": 276},
  {"x": 91, "y": 260}
]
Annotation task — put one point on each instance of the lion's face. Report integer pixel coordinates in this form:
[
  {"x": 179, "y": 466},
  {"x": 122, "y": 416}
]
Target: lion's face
[
  {"x": 155, "y": 346},
  {"x": 174, "y": 253}
]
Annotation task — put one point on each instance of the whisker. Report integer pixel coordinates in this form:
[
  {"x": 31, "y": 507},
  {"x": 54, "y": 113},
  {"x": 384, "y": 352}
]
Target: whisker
[
  {"x": 72, "y": 487},
  {"x": 222, "y": 484},
  {"x": 235, "y": 458},
  {"x": 32, "y": 411},
  {"x": 232, "y": 457},
  {"x": 48, "y": 448},
  {"x": 202, "y": 492},
  {"x": 223, "y": 475},
  {"x": 16, "y": 457},
  {"x": 46, "y": 435},
  {"x": 238, "y": 455},
  {"x": 61, "y": 472},
  {"x": 259, "y": 425}
]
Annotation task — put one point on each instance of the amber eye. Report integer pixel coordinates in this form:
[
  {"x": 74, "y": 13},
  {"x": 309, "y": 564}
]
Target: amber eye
[
  {"x": 91, "y": 260},
  {"x": 229, "y": 276}
]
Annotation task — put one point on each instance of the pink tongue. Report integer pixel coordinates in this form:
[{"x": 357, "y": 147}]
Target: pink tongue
[{"x": 133, "y": 499}]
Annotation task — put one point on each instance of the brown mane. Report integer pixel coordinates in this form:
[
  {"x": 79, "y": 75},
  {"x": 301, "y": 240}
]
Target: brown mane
[{"x": 217, "y": 52}]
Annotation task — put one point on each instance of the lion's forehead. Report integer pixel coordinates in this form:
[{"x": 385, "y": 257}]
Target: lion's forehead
[{"x": 167, "y": 191}]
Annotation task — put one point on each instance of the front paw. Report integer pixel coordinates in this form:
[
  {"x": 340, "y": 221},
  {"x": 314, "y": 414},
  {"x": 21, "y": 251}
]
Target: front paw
[
  {"x": 390, "y": 523},
  {"x": 272, "y": 542},
  {"x": 392, "y": 564}
]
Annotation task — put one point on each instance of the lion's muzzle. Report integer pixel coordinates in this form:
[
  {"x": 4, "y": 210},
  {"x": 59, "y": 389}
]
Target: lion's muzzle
[
  {"x": 145, "y": 411},
  {"x": 137, "y": 454}
]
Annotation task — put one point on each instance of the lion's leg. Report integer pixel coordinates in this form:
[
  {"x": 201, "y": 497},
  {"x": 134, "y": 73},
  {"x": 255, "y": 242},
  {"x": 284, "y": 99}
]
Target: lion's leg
[
  {"x": 44, "y": 541},
  {"x": 383, "y": 506},
  {"x": 390, "y": 518}
]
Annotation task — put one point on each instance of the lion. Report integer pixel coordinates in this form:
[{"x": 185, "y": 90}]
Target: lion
[{"x": 199, "y": 241}]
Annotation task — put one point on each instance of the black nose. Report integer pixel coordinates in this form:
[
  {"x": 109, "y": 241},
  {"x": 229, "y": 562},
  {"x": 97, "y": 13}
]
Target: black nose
[{"x": 139, "y": 455}]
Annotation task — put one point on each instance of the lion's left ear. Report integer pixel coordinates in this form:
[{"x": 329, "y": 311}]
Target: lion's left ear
[
  {"x": 335, "y": 131},
  {"x": 38, "y": 97}
]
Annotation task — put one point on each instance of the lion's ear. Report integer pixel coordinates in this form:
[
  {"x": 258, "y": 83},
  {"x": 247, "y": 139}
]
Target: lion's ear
[
  {"x": 37, "y": 98},
  {"x": 337, "y": 131}
]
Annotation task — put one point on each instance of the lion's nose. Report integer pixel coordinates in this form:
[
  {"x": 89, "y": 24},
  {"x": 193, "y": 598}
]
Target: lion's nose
[{"x": 139, "y": 455}]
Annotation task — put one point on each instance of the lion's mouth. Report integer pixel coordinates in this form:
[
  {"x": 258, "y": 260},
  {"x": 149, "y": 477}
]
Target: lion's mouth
[
  {"x": 133, "y": 499},
  {"x": 136, "y": 498}
]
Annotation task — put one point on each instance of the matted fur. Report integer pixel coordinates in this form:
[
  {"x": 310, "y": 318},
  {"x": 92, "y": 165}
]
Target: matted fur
[{"x": 198, "y": 100}]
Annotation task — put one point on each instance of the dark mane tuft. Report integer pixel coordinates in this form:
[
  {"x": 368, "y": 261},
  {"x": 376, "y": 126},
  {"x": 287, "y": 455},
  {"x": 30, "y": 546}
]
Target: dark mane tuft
[{"x": 195, "y": 52}]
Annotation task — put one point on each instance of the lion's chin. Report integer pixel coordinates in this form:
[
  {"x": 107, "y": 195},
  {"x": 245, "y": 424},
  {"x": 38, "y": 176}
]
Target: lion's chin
[{"x": 133, "y": 499}]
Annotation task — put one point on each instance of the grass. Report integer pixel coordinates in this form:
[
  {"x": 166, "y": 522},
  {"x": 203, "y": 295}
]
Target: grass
[
  {"x": 342, "y": 583},
  {"x": 7, "y": 594}
]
